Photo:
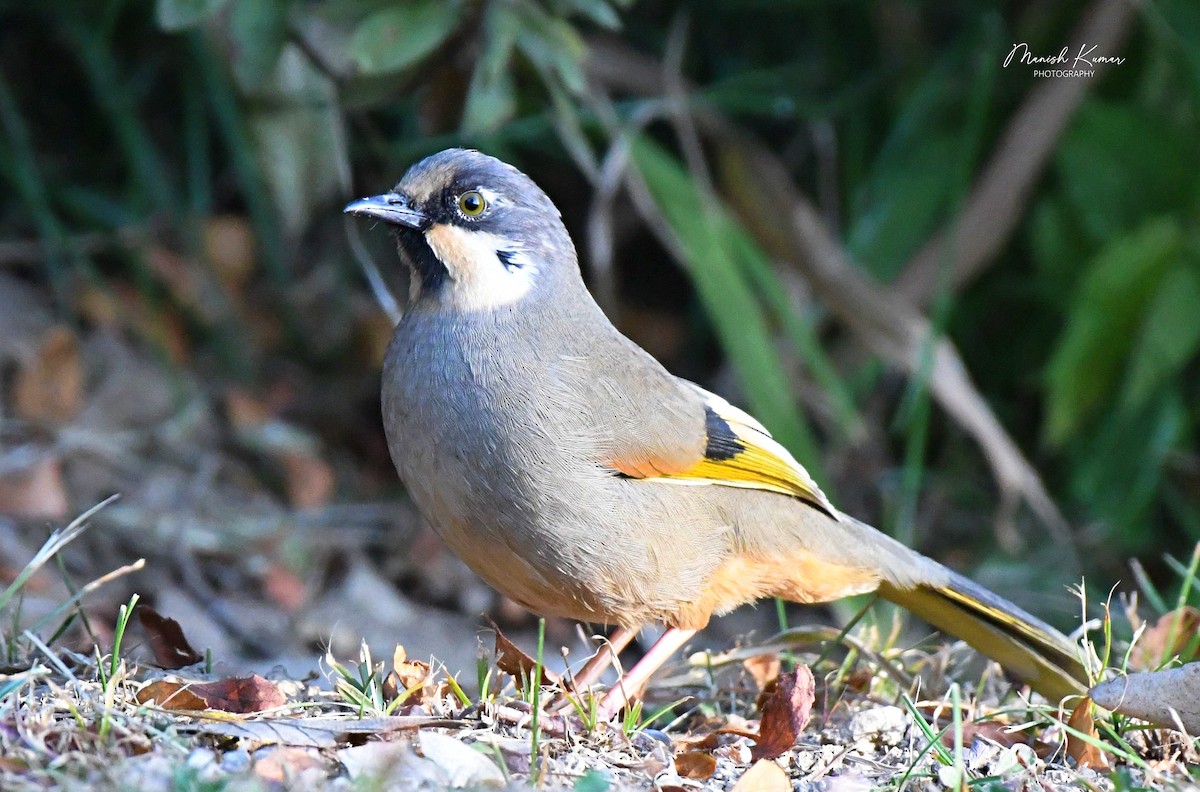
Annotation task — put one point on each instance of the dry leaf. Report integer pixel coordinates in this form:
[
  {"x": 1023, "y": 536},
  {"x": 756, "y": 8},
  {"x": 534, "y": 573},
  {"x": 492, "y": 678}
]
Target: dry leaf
[
  {"x": 988, "y": 730},
  {"x": 520, "y": 666},
  {"x": 167, "y": 641},
  {"x": 784, "y": 713},
  {"x": 245, "y": 412},
  {"x": 310, "y": 481},
  {"x": 1168, "y": 637},
  {"x": 229, "y": 248},
  {"x": 164, "y": 329},
  {"x": 170, "y": 695},
  {"x": 283, "y": 763},
  {"x": 241, "y": 695},
  {"x": 284, "y": 586},
  {"x": 695, "y": 764},
  {"x": 1085, "y": 753},
  {"x": 763, "y": 776},
  {"x": 764, "y": 668},
  {"x": 36, "y": 492},
  {"x": 50, "y": 387},
  {"x": 411, "y": 675}
]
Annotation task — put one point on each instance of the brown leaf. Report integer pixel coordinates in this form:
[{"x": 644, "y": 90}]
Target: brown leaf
[
  {"x": 763, "y": 776},
  {"x": 764, "y": 668},
  {"x": 310, "y": 481},
  {"x": 229, "y": 248},
  {"x": 281, "y": 764},
  {"x": 171, "y": 695},
  {"x": 695, "y": 764},
  {"x": 408, "y": 675},
  {"x": 1085, "y": 753},
  {"x": 784, "y": 713},
  {"x": 520, "y": 666},
  {"x": 988, "y": 730},
  {"x": 245, "y": 412},
  {"x": 1166, "y": 638},
  {"x": 36, "y": 492},
  {"x": 284, "y": 586},
  {"x": 167, "y": 641},
  {"x": 50, "y": 387},
  {"x": 241, "y": 695}
]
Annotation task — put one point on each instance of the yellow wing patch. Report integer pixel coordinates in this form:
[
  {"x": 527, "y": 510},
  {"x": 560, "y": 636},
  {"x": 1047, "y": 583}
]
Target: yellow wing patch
[{"x": 740, "y": 452}]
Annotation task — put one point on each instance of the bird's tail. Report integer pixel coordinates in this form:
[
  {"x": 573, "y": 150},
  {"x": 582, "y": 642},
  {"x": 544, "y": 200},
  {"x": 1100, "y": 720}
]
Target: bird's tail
[{"x": 1024, "y": 645}]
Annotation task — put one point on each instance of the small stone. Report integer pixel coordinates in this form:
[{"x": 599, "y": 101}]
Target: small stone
[
  {"x": 879, "y": 725},
  {"x": 236, "y": 761}
]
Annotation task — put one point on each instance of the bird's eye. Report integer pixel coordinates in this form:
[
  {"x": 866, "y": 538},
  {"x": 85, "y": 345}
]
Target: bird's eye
[{"x": 471, "y": 203}]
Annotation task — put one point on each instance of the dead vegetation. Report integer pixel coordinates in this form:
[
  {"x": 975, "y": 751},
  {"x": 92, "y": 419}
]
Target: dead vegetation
[{"x": 809, "y": 708}]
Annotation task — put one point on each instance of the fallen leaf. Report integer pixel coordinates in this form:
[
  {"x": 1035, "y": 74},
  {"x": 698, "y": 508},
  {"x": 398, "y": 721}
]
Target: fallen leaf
[
  {"x": 241, "y": 695},
  {"x": 170, "y": 695},
  {"x": 409, "y": 675},
  {"x": 284, "y": 586},
  {"x": 310, "y": 480},
  {"x": 465, "y": 766},
  {"x": 36, "y": 492},
  {"x": 167, "y": 641},
  {"x": 784, "y": 713},
  {"x": 126, "y": 307},
  {"x": 520, "y": 666},
  {"x": 229, "y": 248},
  {"x": 1159, "y": 697},
  {"x": 283, "y": 763},
  {"x": 245, "y": 412},
  {"x": 764, "y": 668},
  {"x": 763, "y": 776},
  {"x": 50, "y": 387},
  {"x": 1166, "y": 638},
  {"x": 183, "y": 280},
  {"x": 1083, "y": 752},
  {"x": 237, "y": 695},
  {"x": 695, "y": 764},
  {"x": 988, "y": 730}
]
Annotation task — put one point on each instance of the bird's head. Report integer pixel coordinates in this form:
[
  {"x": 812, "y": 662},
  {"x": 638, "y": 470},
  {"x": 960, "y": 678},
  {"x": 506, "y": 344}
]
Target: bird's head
[{"x": 476, "y": 233}]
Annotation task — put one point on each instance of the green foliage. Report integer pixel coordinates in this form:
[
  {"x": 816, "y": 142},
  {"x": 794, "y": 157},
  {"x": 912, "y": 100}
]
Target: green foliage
[
  {"x": 1082, "y": 334},
  {"x": 396, "y": 37},
  {"x": 719, "y": 255},
  {"x": 259, "y": 30},
  {"x": 1103, "y": 321},
  {"x": 176, "y": 15}
]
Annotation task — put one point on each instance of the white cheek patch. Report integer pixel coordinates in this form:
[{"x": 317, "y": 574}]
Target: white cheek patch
[{"x": 480, "y": 278}]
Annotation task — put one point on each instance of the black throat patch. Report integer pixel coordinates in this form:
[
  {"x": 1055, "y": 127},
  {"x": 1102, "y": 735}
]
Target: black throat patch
[{"x": 420, "y": 256}]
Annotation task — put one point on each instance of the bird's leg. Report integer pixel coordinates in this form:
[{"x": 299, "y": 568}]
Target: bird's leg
[
  {"x": 631, "y": 684},
  {"x": 603, "y": 658},
  {"x": 596, "y": 665}
]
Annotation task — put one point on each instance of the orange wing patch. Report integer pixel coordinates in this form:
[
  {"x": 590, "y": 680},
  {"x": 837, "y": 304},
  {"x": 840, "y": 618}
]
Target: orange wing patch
[{"x": 739, "y": 452}]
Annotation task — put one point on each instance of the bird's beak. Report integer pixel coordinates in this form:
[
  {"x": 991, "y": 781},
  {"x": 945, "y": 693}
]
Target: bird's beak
[{"x": 392, "y": 208}]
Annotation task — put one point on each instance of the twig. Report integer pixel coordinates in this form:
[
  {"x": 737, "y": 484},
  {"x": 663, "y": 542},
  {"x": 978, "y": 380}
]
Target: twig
[{"x": 606, "y": 185}]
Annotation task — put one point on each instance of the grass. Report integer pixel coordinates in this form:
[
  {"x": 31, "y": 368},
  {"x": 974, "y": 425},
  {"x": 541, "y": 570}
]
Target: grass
[{"x": 97, "y": 698}]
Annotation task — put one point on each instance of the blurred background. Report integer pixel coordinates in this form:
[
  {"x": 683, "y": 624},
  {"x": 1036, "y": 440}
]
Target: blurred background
[{"x": 964, "y": 293}]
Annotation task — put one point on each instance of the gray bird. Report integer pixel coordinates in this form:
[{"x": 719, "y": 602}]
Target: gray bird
[{"x": 580, "y": 478}]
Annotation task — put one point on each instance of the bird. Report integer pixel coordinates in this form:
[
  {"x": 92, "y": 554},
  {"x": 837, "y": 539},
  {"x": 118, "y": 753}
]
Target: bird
[{"x": 577, "y": 476}]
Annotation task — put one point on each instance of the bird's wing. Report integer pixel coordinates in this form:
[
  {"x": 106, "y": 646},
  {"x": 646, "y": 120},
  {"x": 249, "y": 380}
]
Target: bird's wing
[{"x": 711, "y": 442}]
